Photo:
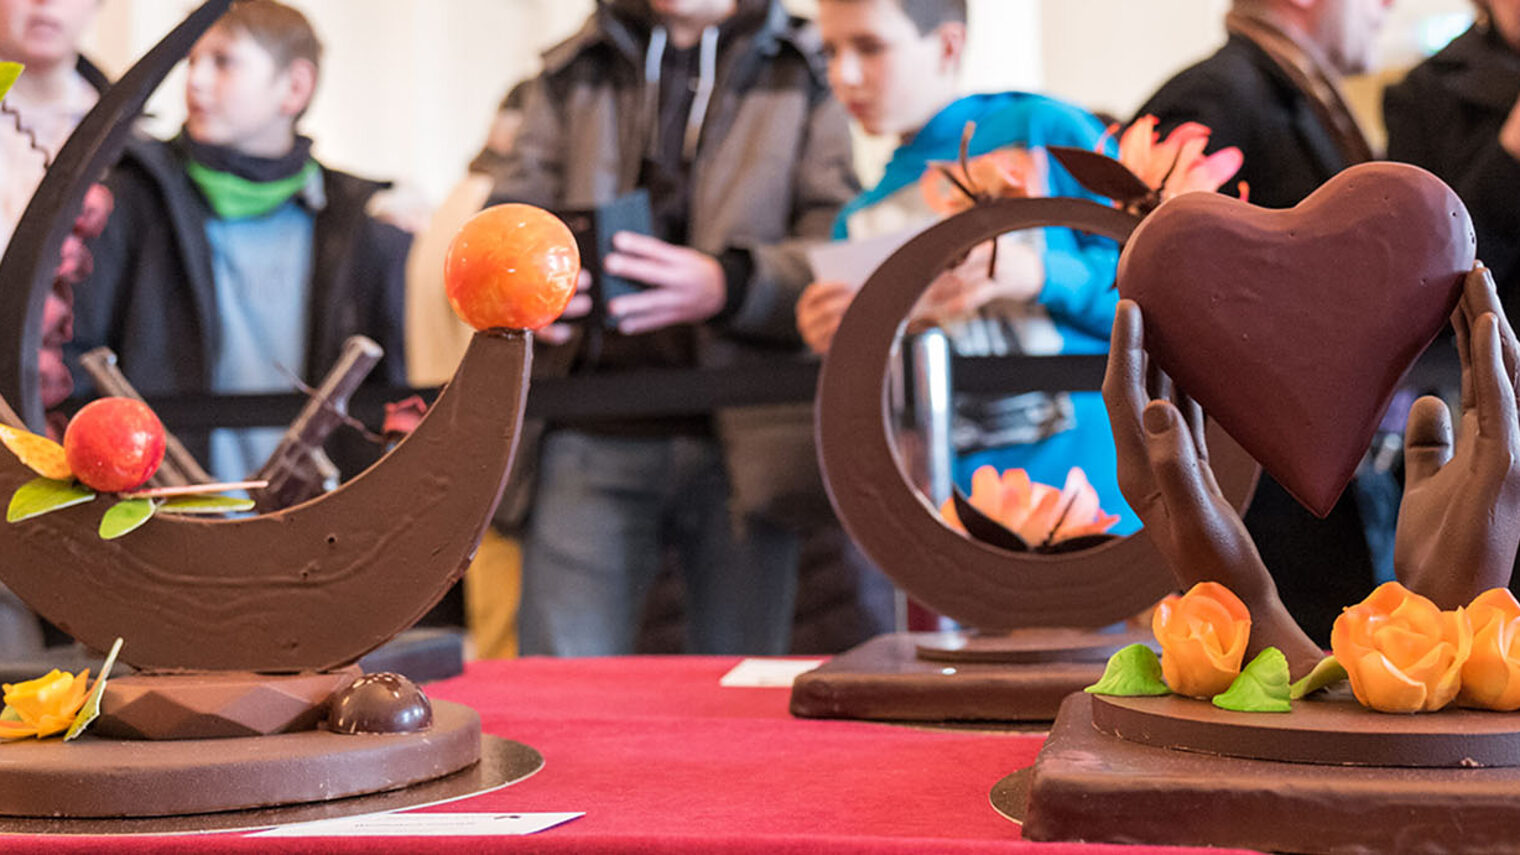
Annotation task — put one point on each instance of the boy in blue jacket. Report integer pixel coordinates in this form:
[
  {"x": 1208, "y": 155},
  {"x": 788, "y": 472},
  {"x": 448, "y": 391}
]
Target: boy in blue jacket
[{"x": 895, "y": 65}]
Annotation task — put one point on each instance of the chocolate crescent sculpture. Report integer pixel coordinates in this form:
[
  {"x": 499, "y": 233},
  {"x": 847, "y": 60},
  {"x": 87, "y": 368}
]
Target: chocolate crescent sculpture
[
  {"x": 308, "y": 588},
  {"x": 972, "y": 582}
]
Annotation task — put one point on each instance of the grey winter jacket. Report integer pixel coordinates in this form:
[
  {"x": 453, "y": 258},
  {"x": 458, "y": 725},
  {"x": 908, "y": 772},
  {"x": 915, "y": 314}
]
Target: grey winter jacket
[{"x": 771, "y": 171}]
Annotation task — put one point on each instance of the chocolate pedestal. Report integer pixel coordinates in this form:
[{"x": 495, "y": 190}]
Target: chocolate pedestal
[
  {"x": 216, "y": 704},
  {"x": 886, "y": 679},
  {"x": 1091, "y": 786}
]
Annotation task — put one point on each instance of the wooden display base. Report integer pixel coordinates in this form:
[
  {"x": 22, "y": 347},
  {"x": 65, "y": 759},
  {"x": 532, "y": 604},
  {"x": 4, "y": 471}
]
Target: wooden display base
[
  {"x": 1092, "y": 786},
  {"x": 889, "y": 679},
  {"x": 99, "y": 777}
]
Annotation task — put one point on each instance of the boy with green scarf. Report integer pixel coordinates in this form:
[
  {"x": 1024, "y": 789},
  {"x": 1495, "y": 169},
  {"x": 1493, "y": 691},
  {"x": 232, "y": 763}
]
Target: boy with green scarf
[{"x": 234, "y": 259}]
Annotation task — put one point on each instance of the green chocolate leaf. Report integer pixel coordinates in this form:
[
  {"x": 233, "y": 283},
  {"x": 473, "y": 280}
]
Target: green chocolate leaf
[
  {"x": 1132, "y": 671},
  {"x": 41, "y": 495},
  {"x": 91, "y": 708},
  {"x": 9, "y": 71},
  {"x": 125, "y": 516},
  {"x": 1261, "y": 687},
  {"x": 1327, "y": 673},
  {"x": 205, "y": 505}
]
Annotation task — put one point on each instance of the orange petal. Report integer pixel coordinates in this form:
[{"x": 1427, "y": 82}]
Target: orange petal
[
  {"x": 951, "y": 518},
  {"x": 16, "y": 729},
  {"x": 1489, "y": 673},
  {"x": 986, "y": 491},
  {"x": 37, "y": 453},
  {"x": 1379, "y": 685}
]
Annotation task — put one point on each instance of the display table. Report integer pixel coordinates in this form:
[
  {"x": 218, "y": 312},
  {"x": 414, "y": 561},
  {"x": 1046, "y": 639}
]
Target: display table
[{"x": 663, "y": 759}]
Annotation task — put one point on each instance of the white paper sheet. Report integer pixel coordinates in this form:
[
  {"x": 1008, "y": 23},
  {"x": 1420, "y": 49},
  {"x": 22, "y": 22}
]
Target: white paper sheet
[
  {"x": 424, "y": 825},
  {"x": 767, "y": 673}
]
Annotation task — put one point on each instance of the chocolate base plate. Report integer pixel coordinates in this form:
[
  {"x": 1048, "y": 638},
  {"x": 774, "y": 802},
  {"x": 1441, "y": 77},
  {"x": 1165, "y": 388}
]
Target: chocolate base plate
[
  {"x": 1336, "y": 731},
  {"x": 99, "y": 777},
  {"x": 886, "y": 680},
  {"x": 502, "y": 763},
  {"x": 1027, "y": 646},
  {"x": 1091, "y": 786}
]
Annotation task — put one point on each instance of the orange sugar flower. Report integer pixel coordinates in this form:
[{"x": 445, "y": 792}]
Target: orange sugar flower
[
  {"x": 1037, "y": 513},
  {"x": 1491, "y": 674},
  {"x": 1005, "y": 173},
  {"x": 1177, "y": 164},
  {"x": 1203, "y": 636},
  {"x": 1402, "y": 652},
  {"x": 44, "y": 706}
]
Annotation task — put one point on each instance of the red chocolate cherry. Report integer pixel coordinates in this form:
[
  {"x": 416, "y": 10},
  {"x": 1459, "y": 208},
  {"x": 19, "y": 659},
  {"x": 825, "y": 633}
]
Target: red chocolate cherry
[{"x": 114, "y": 444}]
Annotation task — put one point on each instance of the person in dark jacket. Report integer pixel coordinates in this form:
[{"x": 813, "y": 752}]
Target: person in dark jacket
[
  {"x": 233, "y": 259},
  {"x": 1274, "y": 91},
  {"x": 720, "y": 109},
  {"x": 1458, "y": 115}
]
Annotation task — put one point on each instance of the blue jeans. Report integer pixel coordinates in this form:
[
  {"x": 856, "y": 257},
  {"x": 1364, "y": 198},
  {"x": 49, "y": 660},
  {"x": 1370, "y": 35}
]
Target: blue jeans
[{"x": 605, "y": 512}]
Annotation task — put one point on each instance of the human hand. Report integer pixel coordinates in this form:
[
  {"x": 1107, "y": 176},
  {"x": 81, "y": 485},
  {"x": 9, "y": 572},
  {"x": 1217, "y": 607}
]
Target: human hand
[
  {"x": 686, "y": 286},
  {"x": 579, "y": 306},
  {"x": 1164, "y": 475},
  {"x": 819, "y": 311},
  {"x": 1459, "y": 522},
  {"x": 1509, "y": 132},
  {"x": 962, "y": 290}
]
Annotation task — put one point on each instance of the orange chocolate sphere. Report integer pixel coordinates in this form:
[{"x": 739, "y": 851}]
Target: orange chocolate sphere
[{"x": 512, "y": 266}]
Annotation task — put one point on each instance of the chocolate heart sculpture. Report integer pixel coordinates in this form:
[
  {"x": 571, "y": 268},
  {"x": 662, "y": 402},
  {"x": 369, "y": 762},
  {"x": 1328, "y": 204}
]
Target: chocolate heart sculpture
[{"x": 1293, "y": 327}]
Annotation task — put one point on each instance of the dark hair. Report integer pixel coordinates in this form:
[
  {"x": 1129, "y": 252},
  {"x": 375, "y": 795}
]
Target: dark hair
[
  {"x": 927, "y": 15},
  {"x": 282, "y": 31},
  {"x": 517, "y": 97}
]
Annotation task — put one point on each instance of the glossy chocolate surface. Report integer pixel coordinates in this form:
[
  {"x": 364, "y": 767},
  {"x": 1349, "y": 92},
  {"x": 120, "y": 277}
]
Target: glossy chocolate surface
[
  {"x": 380, "y": 703},
  {"x": 1293, "y": 327}
]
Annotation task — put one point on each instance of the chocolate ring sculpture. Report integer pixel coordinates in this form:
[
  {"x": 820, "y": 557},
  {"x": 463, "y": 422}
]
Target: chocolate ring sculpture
[
  {"x": 307, "y": 588},
  {"x": 972, "y": 582}
]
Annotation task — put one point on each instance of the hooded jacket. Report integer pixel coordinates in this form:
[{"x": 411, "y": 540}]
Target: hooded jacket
[
  {"x": 1445, "y": 116},
  {"x": 771, "y": 169},
  {"x": 152, "y": 296}
]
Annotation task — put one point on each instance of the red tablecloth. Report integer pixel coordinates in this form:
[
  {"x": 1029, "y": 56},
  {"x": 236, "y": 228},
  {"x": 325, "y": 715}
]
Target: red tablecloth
[{"x": 663, "y": 759}]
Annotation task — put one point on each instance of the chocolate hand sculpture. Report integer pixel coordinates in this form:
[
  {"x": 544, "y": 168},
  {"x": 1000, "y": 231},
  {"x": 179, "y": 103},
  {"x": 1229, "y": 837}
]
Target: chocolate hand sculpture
[
  {"x": 1164, "y": 476},
  {"x": 1459, "y": 523}
]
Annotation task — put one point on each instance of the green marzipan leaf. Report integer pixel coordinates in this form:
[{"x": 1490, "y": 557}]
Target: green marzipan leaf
[
  {"x": 125, "y": 516},
  {"x": 1131, "y": 672},
  {"x": 9, "y": 72},
  {"x": 1327, "y": 673},
  {"x": 1261, "y": 687},
  {"x": 91, "y": 708},
  {"x": 9, "y": 714},
  {"x": 41, "y": 495},
  {"x": 205, "y": 505}
]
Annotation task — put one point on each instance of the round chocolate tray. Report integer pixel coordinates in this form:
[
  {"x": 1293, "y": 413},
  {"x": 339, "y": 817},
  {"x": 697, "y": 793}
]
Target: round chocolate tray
[
  {"x": 1333, "y": 732},
  {"x": 98, "y": 777}
]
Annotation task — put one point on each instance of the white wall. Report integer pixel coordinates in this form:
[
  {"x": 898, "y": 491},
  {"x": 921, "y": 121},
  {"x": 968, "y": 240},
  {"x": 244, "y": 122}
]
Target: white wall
[{"x": 409, "y": 86}]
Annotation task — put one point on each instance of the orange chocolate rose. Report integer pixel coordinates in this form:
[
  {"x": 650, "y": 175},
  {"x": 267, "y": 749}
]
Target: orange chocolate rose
[
  {"x": 44, "y": 706},
  {"x": 1491, "y": 675},
  {"x": 1402, "y": 652},
  {"x": 1203, "y": 636}
]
